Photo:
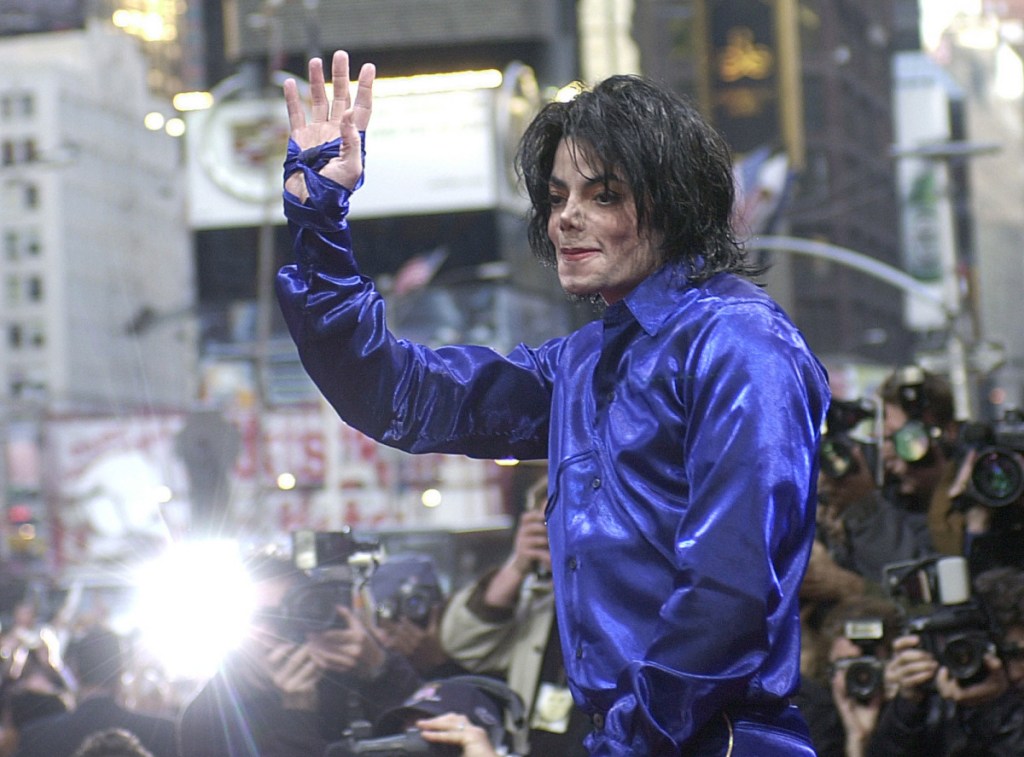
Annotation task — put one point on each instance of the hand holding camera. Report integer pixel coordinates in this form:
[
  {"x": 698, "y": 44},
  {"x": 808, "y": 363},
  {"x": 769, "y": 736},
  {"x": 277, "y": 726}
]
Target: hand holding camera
[{"x": 350, "y": 648}]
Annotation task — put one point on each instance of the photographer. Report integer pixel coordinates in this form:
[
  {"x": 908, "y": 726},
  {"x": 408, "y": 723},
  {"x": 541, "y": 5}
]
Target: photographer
[
  {"x": 920, "y": 431},
  {"x": 938, "y": 711},
  {"x": 291, "y": 689},
  {"x": 854, "y": 641},
  {"x": 862, "y": 530},
  {"x": 408, "y": 601},
  {"x": 989, "y": 491},
  {"x": 504, "y": 624}
]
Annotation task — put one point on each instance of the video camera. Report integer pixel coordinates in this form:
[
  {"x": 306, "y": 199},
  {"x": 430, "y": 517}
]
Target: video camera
[
  {"x": 333, "y": 563},
  {"x": 953, "y": 626},
  {"x": 997, "y": 475},
  {"x": 863, "y": 676},
  {"x": 837, "y": 444}
]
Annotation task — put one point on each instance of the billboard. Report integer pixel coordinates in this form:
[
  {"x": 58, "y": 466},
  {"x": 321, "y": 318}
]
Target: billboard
[
  {"x": 922, "y": 93},
  {"x": 437, "y": 151},
  {"x": 32, "y": 16}
]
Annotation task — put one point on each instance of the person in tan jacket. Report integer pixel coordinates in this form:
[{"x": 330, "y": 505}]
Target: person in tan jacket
[{"x": 504, "y": 625}]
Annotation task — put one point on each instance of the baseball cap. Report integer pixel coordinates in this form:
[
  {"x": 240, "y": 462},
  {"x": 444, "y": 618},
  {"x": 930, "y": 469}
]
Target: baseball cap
[{"x": 437, "y": 698}]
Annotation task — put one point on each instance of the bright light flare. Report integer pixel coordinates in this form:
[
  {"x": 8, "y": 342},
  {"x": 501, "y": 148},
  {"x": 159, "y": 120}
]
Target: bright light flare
[
  {"x": 195, "y": 603},
  {"x": 430, "y": 498}
]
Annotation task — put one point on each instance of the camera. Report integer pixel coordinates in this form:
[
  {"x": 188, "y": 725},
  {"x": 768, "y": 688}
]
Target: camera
[
  {"x": 413, "y": 601},
  {"x": 837, "y": 444},
  {"x": 357, "y": 741},
  {"x": 952, "y": 626},
  {"x": 328, "y": 561},
  {"x": 863, "y": 676},
  {"x": 997, "y": 475}
]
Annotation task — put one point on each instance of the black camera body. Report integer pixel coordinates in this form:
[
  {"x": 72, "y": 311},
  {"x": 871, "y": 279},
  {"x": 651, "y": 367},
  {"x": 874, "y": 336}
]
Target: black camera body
[
  {"x": 357, "y": 742},
  {"x": 953, "y": 626},
  {"x": 413, "y": 601},
  {"x": 863, "y": 677},
  {"x": 958, "y": 636},
  {"x": 997, "y": 475},
  {"x": 835, "y": 455},
  {"x": 329, "y": 563}
]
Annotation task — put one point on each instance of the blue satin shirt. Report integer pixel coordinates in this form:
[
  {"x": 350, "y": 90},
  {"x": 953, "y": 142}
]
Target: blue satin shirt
[{"x": 681, "y": 433}]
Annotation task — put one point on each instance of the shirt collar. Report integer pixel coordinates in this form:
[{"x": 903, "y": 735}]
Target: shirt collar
[{"x": 652, "y": 301}]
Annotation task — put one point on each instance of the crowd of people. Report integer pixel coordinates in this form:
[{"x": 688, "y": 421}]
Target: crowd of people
[
  {"x": 878, "y": 678},
  {"x": 913, "y": 602}
]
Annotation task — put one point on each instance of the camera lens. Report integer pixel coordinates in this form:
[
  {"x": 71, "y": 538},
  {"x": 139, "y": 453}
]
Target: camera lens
[
  {"x": 863, "y": 679},
  {"x": 836, "y": 457},
  {"x": 964, "y": 657},
  {"x": 997, "y": 478},
  {"x": 912, "y": 442}
]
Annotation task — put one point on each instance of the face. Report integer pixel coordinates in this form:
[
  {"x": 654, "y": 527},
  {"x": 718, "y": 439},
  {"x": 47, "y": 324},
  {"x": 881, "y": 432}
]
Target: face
[
  {"x": 917, "y": 479},
  {"x": 593, "y": 228},
  {"x": 1014, "y": 638}
]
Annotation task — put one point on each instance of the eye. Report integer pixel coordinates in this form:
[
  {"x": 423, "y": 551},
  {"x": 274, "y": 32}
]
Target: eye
[
  {"x": 555, "y": 200},
  {"x": 607, "y": 197}
]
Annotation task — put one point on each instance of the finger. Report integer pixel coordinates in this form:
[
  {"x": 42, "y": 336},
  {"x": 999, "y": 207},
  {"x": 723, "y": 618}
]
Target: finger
[
  {"x": 317, "y": 90},
  {"x": 340, "y": 82},
  {"x": 292, "y": 101},
  {"x": 364, "y": 96}
]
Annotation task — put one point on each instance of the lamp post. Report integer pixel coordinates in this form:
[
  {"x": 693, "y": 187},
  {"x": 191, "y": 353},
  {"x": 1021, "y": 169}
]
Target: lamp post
[{"x": 961, "y": 321}]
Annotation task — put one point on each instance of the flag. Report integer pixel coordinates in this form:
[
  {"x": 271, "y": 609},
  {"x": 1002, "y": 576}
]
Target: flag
[{"x": 418, "y": 271}]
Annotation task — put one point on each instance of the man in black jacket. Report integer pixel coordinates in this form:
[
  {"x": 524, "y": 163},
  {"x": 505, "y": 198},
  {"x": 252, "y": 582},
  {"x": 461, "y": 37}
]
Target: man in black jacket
[
  {"x": 289, "y": 692},
  {"x": 97, "y": 662},
  {"x": 935, "y": 715}
]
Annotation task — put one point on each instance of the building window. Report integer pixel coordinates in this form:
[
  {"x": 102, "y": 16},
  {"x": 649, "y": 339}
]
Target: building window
[
  {"x": 12, "y": 285},
  {"x": 14, "y": 336},
  {"x": 36, "y": 335},
  {"x": 34, "y": 288},
  {"x": 11, "y": 247},
  {"x": 32, "y": 244},
  {"x": 17, "y": 105},
  {"x": 15, "y": 151}
]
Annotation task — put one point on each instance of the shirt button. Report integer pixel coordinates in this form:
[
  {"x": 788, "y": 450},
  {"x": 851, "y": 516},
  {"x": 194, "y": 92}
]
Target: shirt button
[
  {"x": 596, "y": 483},
  {"x": 572, "y": 563},
  {"x": 579, "y": 651},
  {"x": 598, "y": 720}
]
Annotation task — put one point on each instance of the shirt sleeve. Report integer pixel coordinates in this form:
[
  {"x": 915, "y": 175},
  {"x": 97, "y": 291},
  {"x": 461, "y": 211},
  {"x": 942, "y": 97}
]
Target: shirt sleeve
[{"x": 468, "y": 400}]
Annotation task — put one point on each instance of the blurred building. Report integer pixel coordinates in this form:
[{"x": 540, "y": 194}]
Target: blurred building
[
  {"x": 170, "y": 33},
  {"x": 468, "y": 74},
  {"x": 810, "y": 79},
  {"x": 983, "y": 54},
  {"x": 96, "y": 304},
  {"x": 96, "y": 251}
]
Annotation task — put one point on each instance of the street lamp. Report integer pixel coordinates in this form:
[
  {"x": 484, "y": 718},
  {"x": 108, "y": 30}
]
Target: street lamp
[{"x": 961, "y": 324}]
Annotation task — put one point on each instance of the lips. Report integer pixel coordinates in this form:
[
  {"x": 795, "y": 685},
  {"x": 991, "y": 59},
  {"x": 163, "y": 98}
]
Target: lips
[{"x": 576, "y": 253}]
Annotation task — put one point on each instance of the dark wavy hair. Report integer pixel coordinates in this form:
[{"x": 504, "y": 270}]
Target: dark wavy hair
[{"x": 678, "y": 167}]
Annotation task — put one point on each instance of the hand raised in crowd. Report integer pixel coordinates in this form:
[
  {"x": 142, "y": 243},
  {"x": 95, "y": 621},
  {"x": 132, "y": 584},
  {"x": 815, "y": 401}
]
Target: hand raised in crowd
[
  {"x": 990, "y": 688},
  {"x": 420, "y": 644},
  {"x": 456, "y": 730},
  {"x": 295, "y": 673},
  {"x": 330, "y": 120},
  {"x": 529, "y": 553},
  {"x": 859, "y": 718},
  {"x": 351, "y": 649},
  {"x": 911, "y": 668}
]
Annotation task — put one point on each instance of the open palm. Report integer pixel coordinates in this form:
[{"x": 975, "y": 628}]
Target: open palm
[{"x": 331, "y": 119}]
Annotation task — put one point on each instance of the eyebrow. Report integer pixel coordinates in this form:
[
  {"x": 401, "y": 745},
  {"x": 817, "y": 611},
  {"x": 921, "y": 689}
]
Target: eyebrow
[{"x": 606, "y": 180}]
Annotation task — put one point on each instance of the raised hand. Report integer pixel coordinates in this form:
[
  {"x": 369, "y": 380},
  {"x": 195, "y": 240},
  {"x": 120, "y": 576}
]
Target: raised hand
[{"x": 330, "y": 120}]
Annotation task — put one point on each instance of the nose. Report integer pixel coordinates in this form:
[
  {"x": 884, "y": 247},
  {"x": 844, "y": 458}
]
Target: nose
[{"x": 570, "y": 215}]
